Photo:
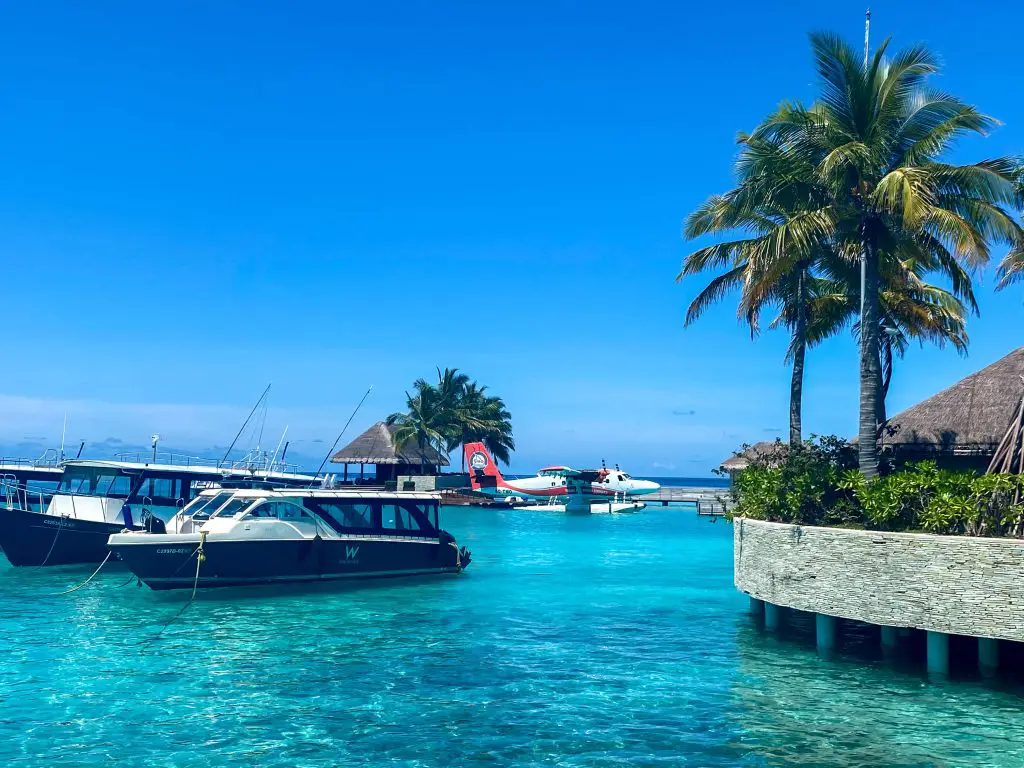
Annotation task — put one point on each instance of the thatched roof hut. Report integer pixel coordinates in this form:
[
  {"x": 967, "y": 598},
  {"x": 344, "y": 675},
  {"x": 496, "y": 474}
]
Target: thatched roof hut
[
  {"x": 968, "y": 420},
  {"x": 763, "y": 449},
  {"x": 377, "y": 446}
]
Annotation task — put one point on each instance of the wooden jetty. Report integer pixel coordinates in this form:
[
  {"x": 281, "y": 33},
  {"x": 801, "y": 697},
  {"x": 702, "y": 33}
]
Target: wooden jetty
[{"x": 709, "y": 502}]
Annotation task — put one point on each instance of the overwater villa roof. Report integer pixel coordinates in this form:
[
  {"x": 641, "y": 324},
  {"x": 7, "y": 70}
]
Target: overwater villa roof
[
  {"x": 970, "y": 417},
  {"x": 765, "y": 448},
  {"x": 377, "y": 446}
]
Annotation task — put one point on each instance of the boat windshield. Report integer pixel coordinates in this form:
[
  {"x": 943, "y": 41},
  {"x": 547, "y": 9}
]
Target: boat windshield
[
  {"x": 236, "y": 507},
  {"x": 202, "y": 506},
  {"x": 95, "y": 481}
]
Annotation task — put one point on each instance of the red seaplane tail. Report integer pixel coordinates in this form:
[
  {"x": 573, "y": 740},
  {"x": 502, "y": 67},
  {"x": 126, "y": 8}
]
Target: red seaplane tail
[{"x": 483, "y": 472}]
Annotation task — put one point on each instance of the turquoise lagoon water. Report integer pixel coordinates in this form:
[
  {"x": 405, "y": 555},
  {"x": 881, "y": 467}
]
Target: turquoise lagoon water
[{"x": 604, "y": 641}]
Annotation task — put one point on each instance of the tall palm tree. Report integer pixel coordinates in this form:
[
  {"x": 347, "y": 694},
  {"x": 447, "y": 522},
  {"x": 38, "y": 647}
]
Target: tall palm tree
[
  {"x": 454, "y": 411},
  {"x": 779, "y": 204},
  {"x": 425, "y": 423},
  {"x": 484, "y": 418},
  {"x": 876, "y": 137},
  {"x": 918, "y": 312}
]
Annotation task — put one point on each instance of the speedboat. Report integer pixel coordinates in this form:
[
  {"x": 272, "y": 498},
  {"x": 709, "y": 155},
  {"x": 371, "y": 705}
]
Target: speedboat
[
  {"x": 240, "y": 537},
  {"x": 97, "y": 498}
]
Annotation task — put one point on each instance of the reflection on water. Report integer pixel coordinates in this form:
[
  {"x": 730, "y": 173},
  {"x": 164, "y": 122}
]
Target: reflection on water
[{"x": 604, "y": 641}]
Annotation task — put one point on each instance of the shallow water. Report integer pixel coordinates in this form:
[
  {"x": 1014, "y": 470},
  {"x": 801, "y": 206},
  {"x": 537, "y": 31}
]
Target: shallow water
[{"x": 602, "y": 641}]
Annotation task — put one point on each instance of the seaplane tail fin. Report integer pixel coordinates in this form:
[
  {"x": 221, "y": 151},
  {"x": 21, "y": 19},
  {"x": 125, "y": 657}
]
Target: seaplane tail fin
[{"x": 483, "y": 472}]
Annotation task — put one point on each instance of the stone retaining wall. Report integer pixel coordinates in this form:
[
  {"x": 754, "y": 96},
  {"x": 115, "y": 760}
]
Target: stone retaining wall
[{"x": 956, "y": 584}]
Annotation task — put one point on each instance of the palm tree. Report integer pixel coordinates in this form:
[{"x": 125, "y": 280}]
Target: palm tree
[
  {"x": 484, "y": 418},
  {"x": 424, "y": 424},
  {"x": 876, "y": 137},
  {"x": 918, "y": 312},
  {"x": 779, "y": 203},
  {"x": 452, "y": 412},
  {"x": 1011, "y": 269}
]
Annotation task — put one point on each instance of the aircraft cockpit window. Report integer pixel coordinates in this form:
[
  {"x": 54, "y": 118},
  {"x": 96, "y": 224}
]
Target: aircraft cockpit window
[{"x": 622, "y": 479}]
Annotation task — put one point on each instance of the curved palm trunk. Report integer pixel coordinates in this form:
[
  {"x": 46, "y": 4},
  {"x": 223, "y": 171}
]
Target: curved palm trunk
[
  {"x": 870, "y": 365},
  {"x": 796, "y": 387}
]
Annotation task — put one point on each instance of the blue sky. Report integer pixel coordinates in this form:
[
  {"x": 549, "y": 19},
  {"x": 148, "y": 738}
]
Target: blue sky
[{"x": 200, "y": 198}]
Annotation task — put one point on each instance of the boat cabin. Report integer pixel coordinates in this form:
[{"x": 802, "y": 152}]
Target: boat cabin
[
  {"x": 289, "y": 513},
  {"x": 126, "y": 492}
]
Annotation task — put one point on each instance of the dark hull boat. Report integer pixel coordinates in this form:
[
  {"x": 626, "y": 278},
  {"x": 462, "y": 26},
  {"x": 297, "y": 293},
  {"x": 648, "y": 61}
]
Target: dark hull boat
[
  {"x": 291, "y": 537},
  {"x": 98, "y": 498},
  {"x": 32, "y": 538},
  {"x": 171, "y": 564}
]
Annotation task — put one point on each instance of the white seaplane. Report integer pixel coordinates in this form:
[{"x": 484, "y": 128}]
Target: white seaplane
[{"x": 563, "y": 489}]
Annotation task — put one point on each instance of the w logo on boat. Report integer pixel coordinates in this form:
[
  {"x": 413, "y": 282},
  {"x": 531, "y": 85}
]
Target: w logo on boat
[{"x": 351, "y": 553}]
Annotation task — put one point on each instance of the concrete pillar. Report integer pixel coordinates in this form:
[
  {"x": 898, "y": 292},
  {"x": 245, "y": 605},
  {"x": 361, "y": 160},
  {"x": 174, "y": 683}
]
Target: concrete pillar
[
  {"x": 938, "y": 653},
  {"x": 988, "y": 656},
  {"x": 825, "y": 630},
  {"x": 756, "y": 606},
  {"x": 890, "y": 641},
  {"x": 773, "y": 616}
]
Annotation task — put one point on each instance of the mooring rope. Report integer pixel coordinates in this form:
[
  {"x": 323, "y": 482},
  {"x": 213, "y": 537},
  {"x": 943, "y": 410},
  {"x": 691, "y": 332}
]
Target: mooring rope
[
  {"x": 53, "y": 544},
  {"x": 200, "y": 556},
  {"x": 86, "y": 582}
]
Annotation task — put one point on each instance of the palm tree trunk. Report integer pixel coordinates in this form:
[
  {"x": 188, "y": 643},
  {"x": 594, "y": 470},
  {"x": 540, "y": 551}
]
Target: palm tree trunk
[
  {"x": 796, "y": 387},
  {"x": 870, "y": 364}
]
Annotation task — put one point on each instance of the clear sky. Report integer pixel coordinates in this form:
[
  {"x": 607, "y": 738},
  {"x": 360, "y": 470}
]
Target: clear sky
[{"x": 199, "y": 198}]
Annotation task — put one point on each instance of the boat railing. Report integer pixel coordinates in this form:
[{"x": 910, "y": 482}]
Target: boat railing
[
  {"x": 49, "y": 460},
  {"x": 18, "y": 495},
  {"x": 252, "y": 462}
]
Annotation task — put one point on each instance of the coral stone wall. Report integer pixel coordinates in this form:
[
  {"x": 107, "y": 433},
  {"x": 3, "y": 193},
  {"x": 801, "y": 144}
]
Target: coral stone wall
[{"x": 957, "y": 584}]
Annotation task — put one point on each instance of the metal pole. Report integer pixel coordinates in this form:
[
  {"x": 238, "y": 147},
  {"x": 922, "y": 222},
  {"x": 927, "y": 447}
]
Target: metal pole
[
  {"x": 863, "y": 263},
  {"x": 867, "y": 31}
]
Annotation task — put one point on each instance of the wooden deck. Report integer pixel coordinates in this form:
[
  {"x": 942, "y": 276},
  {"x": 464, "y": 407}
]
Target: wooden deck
[{"x": 709, "y": 502}]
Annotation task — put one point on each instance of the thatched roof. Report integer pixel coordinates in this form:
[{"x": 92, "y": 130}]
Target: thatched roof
[
  {"x": 972, "y": 416},
  {"x": 765, "y": 448},
  {"x": 377, "y": 446}
]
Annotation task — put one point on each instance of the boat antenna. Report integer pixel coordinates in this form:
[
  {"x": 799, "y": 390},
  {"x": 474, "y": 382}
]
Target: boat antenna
[
  {"x": 81, "y": 445},
  {"x": 338, "y": 438},
  {"x": 155, "y": 439},
  {"x": 270, "y": 466},
  {"x": 63, "y": 432},
  {"x": 244, "y": 425}
]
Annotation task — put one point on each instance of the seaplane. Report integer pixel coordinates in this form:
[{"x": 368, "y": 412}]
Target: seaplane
[{"x": 562, "y": 488}]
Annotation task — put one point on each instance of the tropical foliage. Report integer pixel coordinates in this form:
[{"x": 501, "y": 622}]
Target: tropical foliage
[
  {"x": 853, "y": 185},
  {"x": 816, "y": 483},
  {"x": 452, "y": 412}
]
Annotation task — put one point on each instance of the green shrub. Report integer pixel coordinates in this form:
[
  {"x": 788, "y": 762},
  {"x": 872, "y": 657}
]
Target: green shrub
[{"x": 817, "y": 483}]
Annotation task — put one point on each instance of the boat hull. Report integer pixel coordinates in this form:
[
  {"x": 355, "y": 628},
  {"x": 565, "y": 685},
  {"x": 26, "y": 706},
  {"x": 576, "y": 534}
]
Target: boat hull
[
  {"x": 34, "y": 539},
  {"x": 169, "y": 561}
]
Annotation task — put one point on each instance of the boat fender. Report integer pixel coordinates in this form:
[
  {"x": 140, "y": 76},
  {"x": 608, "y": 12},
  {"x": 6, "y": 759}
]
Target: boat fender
[{"x": 126, "y": 512}]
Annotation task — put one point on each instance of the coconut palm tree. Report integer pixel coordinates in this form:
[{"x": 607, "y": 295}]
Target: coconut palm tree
[
  {"x": 426, "y": 423},
  {"x": 876, "y": 137},
  {"x": 918, "y": 312},
  {"x": 782, "y": 208},
  {"x": 484, "y": 418},
  {"x": 452, "y": 412}
]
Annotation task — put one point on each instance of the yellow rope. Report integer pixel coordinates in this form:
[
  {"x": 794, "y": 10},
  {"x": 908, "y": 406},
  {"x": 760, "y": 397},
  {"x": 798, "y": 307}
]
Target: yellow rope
[
  {"x": 200, "y": 559},
  {"x": 86, "y": 582}
]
